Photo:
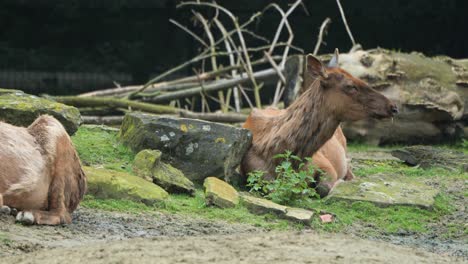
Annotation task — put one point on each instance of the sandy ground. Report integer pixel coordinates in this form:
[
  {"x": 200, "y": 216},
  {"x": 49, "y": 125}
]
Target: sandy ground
[
  {"x": 108, "y": 237},
  {"x": 304, "y": 247}
]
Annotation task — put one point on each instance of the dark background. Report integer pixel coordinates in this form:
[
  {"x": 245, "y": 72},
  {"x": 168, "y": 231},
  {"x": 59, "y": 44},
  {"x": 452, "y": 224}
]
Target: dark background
[{"x": 130, "y": 41}]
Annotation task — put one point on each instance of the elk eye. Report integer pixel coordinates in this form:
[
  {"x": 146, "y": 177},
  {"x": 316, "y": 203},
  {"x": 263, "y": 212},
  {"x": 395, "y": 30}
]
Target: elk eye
[{"x": 351, "y": 89}]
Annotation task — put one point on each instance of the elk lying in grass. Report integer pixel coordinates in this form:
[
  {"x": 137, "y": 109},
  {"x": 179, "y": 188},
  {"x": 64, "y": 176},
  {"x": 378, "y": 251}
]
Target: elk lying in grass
[
  {"x": 310, "y": 126},
  {"x": 40, "y": 172}
]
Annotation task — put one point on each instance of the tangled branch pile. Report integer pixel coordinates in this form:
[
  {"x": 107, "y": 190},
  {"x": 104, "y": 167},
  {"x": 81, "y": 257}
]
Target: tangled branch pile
[{"x": 231, "y": 65}]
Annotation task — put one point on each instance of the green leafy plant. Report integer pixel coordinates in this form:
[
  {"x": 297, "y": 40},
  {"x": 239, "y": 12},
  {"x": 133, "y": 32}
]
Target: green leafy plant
[
  {"x": 465, "y": 143},
  {"x": 292, "y": 184}
]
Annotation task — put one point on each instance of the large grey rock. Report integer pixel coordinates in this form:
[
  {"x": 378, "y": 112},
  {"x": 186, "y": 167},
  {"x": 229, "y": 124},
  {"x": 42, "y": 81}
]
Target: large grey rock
[
  {"x": 386, "y": 190},
  {"x": 198, "y": 148},
  {"x": 148, "y": 165},
  {"x": 220, "y": 193},
  {"x": 22, "y": 109}
]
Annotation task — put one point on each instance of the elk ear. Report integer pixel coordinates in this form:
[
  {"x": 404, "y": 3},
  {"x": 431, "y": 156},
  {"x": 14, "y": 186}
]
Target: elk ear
[
  {"x": 315, "y": 67},
  {"x": 334, "y": 60}
]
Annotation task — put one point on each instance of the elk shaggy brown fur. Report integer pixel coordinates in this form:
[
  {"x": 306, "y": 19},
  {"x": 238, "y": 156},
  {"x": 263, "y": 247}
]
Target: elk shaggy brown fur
[
  {"x": 40, "y": 172},
  {"x": 309, "y": 127}
]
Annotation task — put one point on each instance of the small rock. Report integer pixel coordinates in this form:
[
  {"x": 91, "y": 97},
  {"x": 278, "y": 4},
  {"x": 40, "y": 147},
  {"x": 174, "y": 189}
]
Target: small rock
[
  {"x": 220, "y": 193},
  {"x": 299, "y": 215},
  {"x": 198, "y": 148},
  {"x": 262, "y": 206},
  {"x": 149, "y": 166},
  {"x": 108, "y": 184},
  {"x": 326, "y": 218}
]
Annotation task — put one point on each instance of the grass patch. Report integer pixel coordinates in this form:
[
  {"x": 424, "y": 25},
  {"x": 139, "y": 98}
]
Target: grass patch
[
  {"x": 99, "y": 147},
  {"x": 369, "y": 167},
  {"x": 193, "y": 206},
  {"x": 4, "y": 239},
  {"x": 375, "y": 219},
  {"x": 358, "y": 147}
]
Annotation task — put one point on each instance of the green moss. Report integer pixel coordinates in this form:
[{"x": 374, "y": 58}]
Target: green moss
[
  {"x": 117, "y": 205},
  {"x": 100, "y": 147},
  {"x": 120, "y": 185},
  {"x": 144, "y": 163},
  {"x": 4, "y": 239}
]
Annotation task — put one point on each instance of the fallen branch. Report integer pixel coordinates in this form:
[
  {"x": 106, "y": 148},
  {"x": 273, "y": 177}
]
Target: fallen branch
[
  {"x": 115, "y": 103},
  {"x": 213, "y": 87},
  {"x": 103, "y": 120}
]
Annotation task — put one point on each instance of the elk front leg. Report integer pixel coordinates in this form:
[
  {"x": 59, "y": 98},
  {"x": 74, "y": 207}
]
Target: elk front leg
[
  {"x": 327, "y": 175},
  {"x": 349, "y": 175}
]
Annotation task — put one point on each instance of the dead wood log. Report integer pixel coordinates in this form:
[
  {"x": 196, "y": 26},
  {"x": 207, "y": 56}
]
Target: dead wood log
[
  {"x": 103, "y": 120},
  {"x": 269, "y": 74},
  {"x": 115, "y": 103}
]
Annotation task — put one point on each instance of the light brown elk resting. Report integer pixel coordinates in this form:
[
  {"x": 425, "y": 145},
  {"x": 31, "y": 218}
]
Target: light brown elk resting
[
  {"x": 40, "y": 172},
  {"x": 313, "y": 120}
]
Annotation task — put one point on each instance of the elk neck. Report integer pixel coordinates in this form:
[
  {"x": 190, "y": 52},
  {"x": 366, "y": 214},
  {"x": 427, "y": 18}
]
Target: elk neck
[{"x": 305, "y": 126}]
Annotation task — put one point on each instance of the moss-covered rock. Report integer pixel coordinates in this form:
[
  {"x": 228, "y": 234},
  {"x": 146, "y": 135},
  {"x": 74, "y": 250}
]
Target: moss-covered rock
[
  {"x": 108, "y": 184},
  {"x": 149, "y": 166},
  {"x": 220, "y": 193},
  {"x": 386, "y": 190},
  {"x": 299, "y": 215},
  {"x": 22, "y": 109},
  {"x": 262, "y": 206},
  {"x": 198, "y": 148}
]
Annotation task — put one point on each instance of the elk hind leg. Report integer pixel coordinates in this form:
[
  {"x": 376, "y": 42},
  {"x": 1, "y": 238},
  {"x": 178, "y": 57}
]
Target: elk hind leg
[{"x": 57, "y": 211}]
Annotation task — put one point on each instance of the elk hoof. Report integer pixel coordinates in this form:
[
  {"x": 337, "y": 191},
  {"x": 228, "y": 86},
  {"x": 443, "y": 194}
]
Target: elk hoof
[
  {"x": 5, "y": 210},
  {"x": 26, "y": 218},
  {"x": 323, "y": 190}
]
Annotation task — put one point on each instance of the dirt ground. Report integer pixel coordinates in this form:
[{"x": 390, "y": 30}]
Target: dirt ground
[
  {"x": 97, "y": 236},
  {"x": 108, "y": 237}
]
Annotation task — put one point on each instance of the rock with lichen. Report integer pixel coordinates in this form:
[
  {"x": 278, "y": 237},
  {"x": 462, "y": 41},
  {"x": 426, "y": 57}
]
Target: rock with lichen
[
  {"x": 148, "y": 165},
  {"x": 198, "y": 148},
  {"x": 220, "y": 193},
  {"x": 21, "y": 109},
  {"x": 386, "y": 190},
  {"x": 258, "y": 205}
]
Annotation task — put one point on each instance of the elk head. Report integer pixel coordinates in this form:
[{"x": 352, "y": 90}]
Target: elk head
[{"x": 350, "y": 98}]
